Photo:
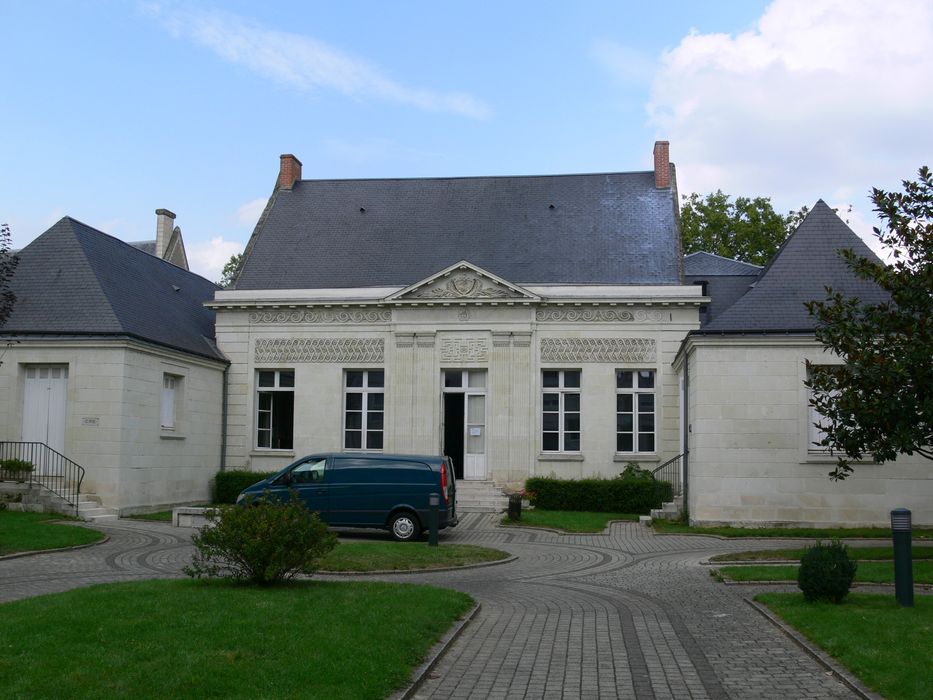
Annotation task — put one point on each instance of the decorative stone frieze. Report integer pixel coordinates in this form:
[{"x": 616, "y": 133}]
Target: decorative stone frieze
[
  {"x": 597, "y": 315},
  {"x": 578, "y": 350},
  {"x": 464, "y": 350},
  {"x": 321, "y": 316},
  {"x": 296, "y": 350}
]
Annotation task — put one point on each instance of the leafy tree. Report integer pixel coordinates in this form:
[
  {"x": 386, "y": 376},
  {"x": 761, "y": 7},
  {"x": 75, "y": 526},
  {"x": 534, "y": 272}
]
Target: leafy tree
[
  {"x": 880, "y": 402},
  {"x": 746, "y": 229},
  {"x": 231, "y": 270},
  {"x": 8, "y": 263}
]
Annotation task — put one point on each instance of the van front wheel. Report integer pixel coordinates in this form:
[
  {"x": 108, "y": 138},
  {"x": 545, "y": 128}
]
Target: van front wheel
[{"x": 404, "y": 527}]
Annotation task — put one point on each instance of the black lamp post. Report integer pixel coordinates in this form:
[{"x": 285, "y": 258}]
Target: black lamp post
[{"x": 903, "y": 565}]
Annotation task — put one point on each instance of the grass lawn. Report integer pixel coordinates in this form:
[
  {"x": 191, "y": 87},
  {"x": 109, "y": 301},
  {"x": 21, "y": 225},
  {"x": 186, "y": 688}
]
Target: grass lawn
[
  {"x": 858, "y": 553},
  {"x": 669, "y": 526},
  {"x": 568, "y": 520},
  {"x": 868, "y": 572},
  {"x": 198, "y": 639},
  {"x": 888, "y": 647},
  {"x": 162, "y": 516},
  {"x": 384, "y": 556},
  {"x": 27, "y": 532}
]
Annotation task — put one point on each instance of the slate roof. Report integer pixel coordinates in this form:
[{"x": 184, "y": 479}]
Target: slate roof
[
  {"x": 726, "y": 280},
  {"x": 613, "y": 228},
  {"x": 806, "y": 263},
  {"x": 76, "y": 280},
  {"x": 703, "y": 264}
]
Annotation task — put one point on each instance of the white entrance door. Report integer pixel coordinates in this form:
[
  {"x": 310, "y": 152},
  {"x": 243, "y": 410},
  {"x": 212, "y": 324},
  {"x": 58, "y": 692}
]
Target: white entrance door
[
  {"x": 44, "y": 407},
  {"x": 474, "y": 461}
]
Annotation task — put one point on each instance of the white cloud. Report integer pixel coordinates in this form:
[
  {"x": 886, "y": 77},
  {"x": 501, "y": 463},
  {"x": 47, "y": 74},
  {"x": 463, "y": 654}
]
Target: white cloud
[
  {"x": 208, "y": 259},
  {"x": 822, "y": 99},
  {"x": 302, "y": 62},
  {"x": 248, "y": 214}
]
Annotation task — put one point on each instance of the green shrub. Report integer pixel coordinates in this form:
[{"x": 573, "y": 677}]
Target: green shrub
[
  {"x": 15, "y": 467},
  {"x": 264, "y": 542},
  {"x": 826, "y": 572},
  {"x": 635, "y": 495},
  {"x": 228, "y": 484}
]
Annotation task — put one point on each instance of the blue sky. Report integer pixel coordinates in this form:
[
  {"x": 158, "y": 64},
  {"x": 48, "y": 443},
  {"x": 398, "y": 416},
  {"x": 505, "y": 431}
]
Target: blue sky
[{"x": 113, "y": 109}]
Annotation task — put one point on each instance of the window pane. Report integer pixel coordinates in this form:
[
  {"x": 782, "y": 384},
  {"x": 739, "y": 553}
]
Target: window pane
[
  {"x": 477, "y": 378},
  {"x": 453, "y": 378},
  {"x": 572, "y": 379},
  {"x": 287, "y": 379},
  {"x": 571, "y": 402},
  {"x": 550, "y": 379},
  {"x": 571, "y": 442},
  {"x": 550, "y": 442},
  {"x": 624, "y": 422},
  {"x": 551, "y": 402},
  {"x": 267, "y": 379},
  {"x": 476, "y": 444},
  {"x": 355, "y": 379},
  {"x": 624, "y": 379},
  {"x": 353, "y": 439},
  {"x": 265, "y": 401},
  {"x": 354, "y": 402},
  {"x": 376, "y": 378},
  {"x": 646, "y": 443},
  {"x": 263, "y": 439},
  {"x": 646, "y": 423},
  {"x": 374, "y": 402},
  {"x": 646, "y": 379},
  {"x": 265, "y": 420},
  {"x": 646, "y": 403},
  {"x": 551, "y": 421},
  {"x": 624, "y": 402},
  {"x": 374, "y": 421},
  {"x": 354, "y": 420},
  {"x": 476, "y": 409},
  {"x": 624, "y": 442},
  {"x": 374, "y": 440},
  {"x": 572, "y": 421}
]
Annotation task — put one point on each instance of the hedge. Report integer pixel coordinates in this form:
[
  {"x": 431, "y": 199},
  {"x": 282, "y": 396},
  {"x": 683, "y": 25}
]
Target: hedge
[
  {"x": 636, "y": 496},
  {"x": 228, "y": 484}
]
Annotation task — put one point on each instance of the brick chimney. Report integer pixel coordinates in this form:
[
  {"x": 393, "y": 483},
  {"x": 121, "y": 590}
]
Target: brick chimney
[
  {"x": 662, "y": 164},
  {"x": 165, "y": 224},
  {"x": 289, "y": 171}
]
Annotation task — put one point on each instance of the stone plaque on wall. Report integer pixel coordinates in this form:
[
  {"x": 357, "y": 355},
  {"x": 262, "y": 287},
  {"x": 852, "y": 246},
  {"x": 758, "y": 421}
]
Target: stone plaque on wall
[
  {"x": 599, "y": 314},
  {"x": 294, "y": 350},
  {"x": 598, "y": 350},
  {"x": 464, "y": 350}
]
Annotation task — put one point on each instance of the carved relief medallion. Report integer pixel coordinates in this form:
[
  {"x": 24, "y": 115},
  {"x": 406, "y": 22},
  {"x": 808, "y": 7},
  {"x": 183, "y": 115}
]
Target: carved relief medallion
[
  {"x": 462, "y": 286},
  {"x": 464, "y": 350}
]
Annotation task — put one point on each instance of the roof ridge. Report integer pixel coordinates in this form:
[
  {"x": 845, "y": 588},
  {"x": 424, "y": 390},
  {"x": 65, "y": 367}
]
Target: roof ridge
[
  {"x": 475, "y": 177},
  {"x": 723, "y": 257}
]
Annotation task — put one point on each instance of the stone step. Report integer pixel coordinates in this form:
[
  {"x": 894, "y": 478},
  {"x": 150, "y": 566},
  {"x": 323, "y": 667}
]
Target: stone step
[{"x": 106, "y": 517}]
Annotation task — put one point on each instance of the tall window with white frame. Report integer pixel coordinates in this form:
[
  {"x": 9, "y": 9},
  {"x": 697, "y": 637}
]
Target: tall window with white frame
[
  {"x": 171, "y": 388},
  {"x": 635, "y": 411},
  {"x": 364, "y": 409},
  {"x": 275, "y": 408},
  {"x": 560, "y": 410}
]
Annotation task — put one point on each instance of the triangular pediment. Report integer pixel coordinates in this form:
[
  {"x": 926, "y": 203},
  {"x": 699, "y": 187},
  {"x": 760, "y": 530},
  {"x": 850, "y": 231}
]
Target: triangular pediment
[{"x": 462, "y": 281}]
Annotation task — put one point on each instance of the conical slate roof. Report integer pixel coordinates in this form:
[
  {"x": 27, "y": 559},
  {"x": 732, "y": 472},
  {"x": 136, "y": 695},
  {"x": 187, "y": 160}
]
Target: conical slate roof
[
  {"x": 807, "y": 263},
  {"x": 76, "y": 280}
]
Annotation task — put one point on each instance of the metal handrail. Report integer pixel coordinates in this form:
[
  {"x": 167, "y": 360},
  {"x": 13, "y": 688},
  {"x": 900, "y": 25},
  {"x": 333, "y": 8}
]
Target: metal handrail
[
  {"x": 671, "y": 471},
  {"x": 50, "y": 469}
]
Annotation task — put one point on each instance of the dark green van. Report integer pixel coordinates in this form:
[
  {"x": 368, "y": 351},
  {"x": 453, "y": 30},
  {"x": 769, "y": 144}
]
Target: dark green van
[{"x": 369, "y": 490}]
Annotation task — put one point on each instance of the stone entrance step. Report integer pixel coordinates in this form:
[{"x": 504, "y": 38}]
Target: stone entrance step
[
  {"x": 91, "y": 510},
  {"x": 480, "y": 497}
]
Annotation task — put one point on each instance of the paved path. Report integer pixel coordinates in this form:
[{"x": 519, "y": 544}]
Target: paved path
[{"x": 627, "y": 614}]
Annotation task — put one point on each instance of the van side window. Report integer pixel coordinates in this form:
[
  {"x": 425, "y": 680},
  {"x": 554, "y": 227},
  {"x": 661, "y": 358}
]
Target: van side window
[{"x": 309, "y": 472}]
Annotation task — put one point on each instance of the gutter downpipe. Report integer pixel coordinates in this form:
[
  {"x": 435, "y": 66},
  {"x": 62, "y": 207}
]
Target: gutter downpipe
[
  {"x": 687, "y": 433},
  {"x": 223, "y": 422}
]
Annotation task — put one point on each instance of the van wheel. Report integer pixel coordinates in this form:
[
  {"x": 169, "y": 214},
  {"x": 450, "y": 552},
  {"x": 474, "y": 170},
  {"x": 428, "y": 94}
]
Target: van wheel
[{"x": 404, "y": 527}]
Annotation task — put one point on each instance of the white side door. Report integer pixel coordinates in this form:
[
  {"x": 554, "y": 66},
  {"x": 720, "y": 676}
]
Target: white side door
[
  {"x": 44, "y": 404},
  {"x": 474, "y": 460}
]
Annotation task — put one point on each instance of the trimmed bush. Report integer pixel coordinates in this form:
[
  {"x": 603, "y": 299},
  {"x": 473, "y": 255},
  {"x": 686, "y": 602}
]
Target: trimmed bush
[
  {"x": 826, "y": 572},
  {"x": 15, "y": 466},
  {"x": 228, "y": 484},
  {"x": 264, "y": 542},
  {"x": 636, "y": 495}
]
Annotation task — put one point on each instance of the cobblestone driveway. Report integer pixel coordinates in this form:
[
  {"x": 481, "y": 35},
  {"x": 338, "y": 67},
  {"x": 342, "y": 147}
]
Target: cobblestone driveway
[{"x": 627, "y": 614}]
